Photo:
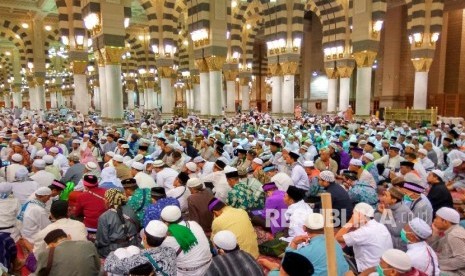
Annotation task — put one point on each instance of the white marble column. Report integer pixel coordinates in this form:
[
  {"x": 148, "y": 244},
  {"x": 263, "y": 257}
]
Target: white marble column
[
  {"x": 420, "y": 94},
  {"x": 167, "y": 96},
  {"x": 33, "y": 99},
  {"x": 196, "y": 97},
  {"x": 231, "y": 96},
  {"x": 53, "y": 99},
  {"x": 96, "y": 98},
  {"x": 276, "y": 87},
  {"x": 332, "y": 95},
  {"x": 245, "y": 89},
  {"x": 103, "y": 91},
  {"x": 115, "y": 92},
  {"x": 204, "y": 93},
  {"x": 60, "y": 100},
  {"x": 131, "y": 99},
  {"x": 17, "y": 99},
  {"x": 80, "y": 92},
  {"x": 150, "y": 103},
  {"x": 287, "y": 95},
  {"x": 41, "y": 101},
  {"x": 7, "y": 99},
  {"x": 141, "y": 98},
  {"x": 188, "y": 98},
  {"x": 344, "y": 94},
  {"x": 363, "y": 91},
  {"x": 215, "y": 93}
]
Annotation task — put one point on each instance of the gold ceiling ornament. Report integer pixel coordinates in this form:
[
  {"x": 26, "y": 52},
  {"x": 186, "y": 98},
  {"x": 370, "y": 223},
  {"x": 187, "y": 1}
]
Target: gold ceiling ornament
[
  {"x": 345, "y": 71},
  {"x": 230, "y": 75},
  {"x": 113, "y": 55},
  {"x": 422, "y": 64},
  {"x": 201, "y": 65},
  {"x": 99, "y": 59},
  {"x": 195, "y": 79},
  {"x": 79, "y": 67},
  {"x": 332, "y": 73},
  {"x": 215, "y": 63},
  {"x": 165, "y": 72},
  {"x": 40, "y": 81},
  {"x": 16, "y": 88},
  {"x": 289, "y": 67},
  {"x": 275, "y": 69},
  {"x": 365, "y": 58}
]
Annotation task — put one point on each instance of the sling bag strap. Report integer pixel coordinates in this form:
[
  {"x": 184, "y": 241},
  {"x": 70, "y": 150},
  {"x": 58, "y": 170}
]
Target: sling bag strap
[
  {"x": 154, "y": 264},
  {"x": 49, "y": 261}
]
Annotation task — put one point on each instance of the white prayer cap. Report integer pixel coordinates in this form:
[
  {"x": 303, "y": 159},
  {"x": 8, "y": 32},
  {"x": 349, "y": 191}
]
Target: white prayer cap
[
  {"x": 171, "y": 213},
  {"x": 315, "y": 221},
  {"x": 48, "y": 159},
  {"x": 423, "y": 151},
  {"x": 398, "y": 259},
  {"x": 138, "y": 166},
  {"x": 39, "y": 164},
  {"x": 420, "y": 228},
  {"x": 369, "y": 156},
  {"x": 110, "y": 153},
  {"x": 143, "y": 125},
  {"x": 179, "y": 148},
  {"x": 86, "y": 136},
  {"x": 448, "y": 214},
  {"x": 43, "y": 191},
  {"x": 237, "y": 141},
  {"x": 411, "y": 146},
  {"x": 138, "y": 157},
  {"x": 6, "y": 188},
  {"x": 15, "y": 143},
  {"x": 356, "y": 162},
  {"x": 125, "y": 146},
  {"x": 439, "y": 174},
  {"x": 194, "y": 182},
  {"x": 191, "y": 166},
  {"x": 199, "y": 159},
  {"x": 54, "y": 150},
  {"x": 258, "y": 161},
  {"x": 364, "y": 209},
  {"x": 304, "y": 147},
  {"x": 158, "y": 164},
  {"x": 156, "y": 229},
  {"x": 118, "y": 158},
  {"x": 91, "y": 166},
  {"x": 76, "y": 141},
  {"x": 308, "y": 164},
  {"x": 327, "y": 176},
  {"x": 225, "y": 240},
  {"x": 17, "y": 157},
  {"x": 456, "y": 162}
]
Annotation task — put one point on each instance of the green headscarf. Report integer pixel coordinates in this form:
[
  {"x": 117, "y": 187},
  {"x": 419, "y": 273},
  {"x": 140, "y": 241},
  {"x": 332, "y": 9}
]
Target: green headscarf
[{"x": 183, "y": 236}]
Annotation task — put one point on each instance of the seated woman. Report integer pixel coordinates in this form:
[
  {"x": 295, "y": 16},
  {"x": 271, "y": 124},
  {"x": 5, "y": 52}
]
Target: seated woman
[{"x": 118, "y": 226}]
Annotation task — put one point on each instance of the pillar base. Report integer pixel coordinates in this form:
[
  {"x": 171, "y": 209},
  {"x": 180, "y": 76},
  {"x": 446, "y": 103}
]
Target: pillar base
[
  {"x": 362, "y": 117},
  {"x": 230, "y": 113},
  {"x": 112, "y": 121},
  {"x": 290, "y": 116}
]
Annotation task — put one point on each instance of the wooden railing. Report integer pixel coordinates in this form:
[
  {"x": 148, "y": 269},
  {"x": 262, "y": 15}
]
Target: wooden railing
[{"x": 411, "y": 115}]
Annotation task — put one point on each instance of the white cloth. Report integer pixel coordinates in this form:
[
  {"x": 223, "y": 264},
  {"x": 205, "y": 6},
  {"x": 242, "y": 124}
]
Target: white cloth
[
  {"x": 76, "y": 229},
  {"x": 9, "y": 210},
  {"x": 423, "y": 257},
  {"x": 220, "y": 183},
  {"x": 300, "y": 177},
  {"x": 367, "y": 177},
  {"x": 207, "y": 168},
  {"x": 296, "y": 215},
  {"x": 10, "y": 171},
  {"x": 144, "y": 180},
  {"x": 166, "y": 177},
  {"x": 369, "y": 242},
  {"x": 282, "y": 181},
  {"x": 23, "y": 190},
  {"x": 427, "y": 164},
  {"x": 198, "y": 255},
  {"x": 35, "y": 219},
  {"x": 61, "y": 162},
  {"x": 181, "y": 193},
  {"x": 44, "y": 178}
]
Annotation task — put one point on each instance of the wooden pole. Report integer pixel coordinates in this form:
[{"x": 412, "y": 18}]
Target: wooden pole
[{"x": 329, "y": 234}]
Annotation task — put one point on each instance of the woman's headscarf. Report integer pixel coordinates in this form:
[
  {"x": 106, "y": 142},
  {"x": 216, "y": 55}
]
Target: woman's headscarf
[{"x": 109, "y": 175}]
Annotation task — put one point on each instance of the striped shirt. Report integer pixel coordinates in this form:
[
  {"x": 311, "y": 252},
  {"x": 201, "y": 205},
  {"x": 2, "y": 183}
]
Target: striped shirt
[{"x": 236, "y": 263}]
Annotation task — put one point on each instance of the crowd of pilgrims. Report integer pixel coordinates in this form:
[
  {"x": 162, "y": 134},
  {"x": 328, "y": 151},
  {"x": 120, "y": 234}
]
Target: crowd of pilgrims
[{"x": 234, "y": 196}]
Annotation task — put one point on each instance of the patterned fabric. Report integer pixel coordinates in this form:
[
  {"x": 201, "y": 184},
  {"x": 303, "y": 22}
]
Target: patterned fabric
[
  {"x": 139, "y": 201},
  {"x": 373, "y": 170},
  {"x": 261, "y": 176},
  {"x": 236, "y": 263},
  {"x": 153, "y": 212},
  {"x": 363, "y": 192},
  {"x": 164, "y": 256},
  {"x": 243, "y": 197}
]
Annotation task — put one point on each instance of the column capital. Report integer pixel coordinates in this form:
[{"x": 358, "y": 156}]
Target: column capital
[
  {"x": 165, "y": 72},
  {"x": 131, "y": 85},
  {"x": 345, "y": 71},
  {"x": 112, "y": 55},
  {"x": 79, "y": 67},
  {"x": 230, "y": 75},
  {"x": 215, "y": 63},
  {"x": 365, "y": 58},
  {"x": 275, "y": 69},
  {"x": 99, "y": 58},
  {"x": 422, "y": 64},
  {"x": 40, "y": 81},
  {"x": 289, "y": 67},
  {"x": 201, "y": 65},
  {"x": 244, "y": 81},
  {"x": 332, "y": 73},
  {"x": 150, "y": 84},
  {"x": 195, "y": 79}
]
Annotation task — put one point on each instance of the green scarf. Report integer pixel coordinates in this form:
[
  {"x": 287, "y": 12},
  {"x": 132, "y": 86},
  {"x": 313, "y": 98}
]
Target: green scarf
[
  {"x": 64, "y": 195},
  {"x": 183, "y": 236}
]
